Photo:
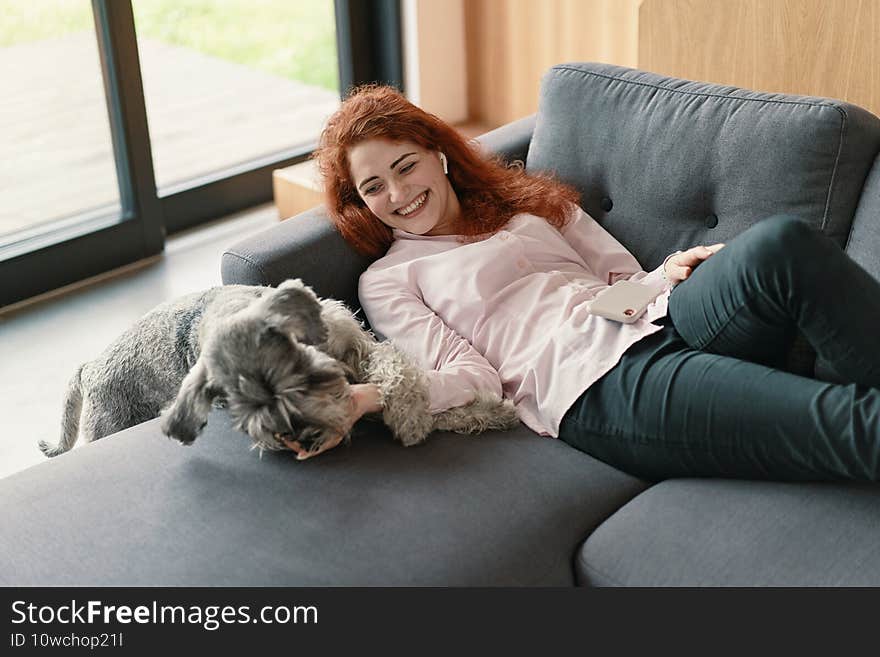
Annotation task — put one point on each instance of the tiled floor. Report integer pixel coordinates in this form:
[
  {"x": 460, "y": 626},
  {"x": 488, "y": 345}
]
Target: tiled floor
[{"x": 41, "y": 344}]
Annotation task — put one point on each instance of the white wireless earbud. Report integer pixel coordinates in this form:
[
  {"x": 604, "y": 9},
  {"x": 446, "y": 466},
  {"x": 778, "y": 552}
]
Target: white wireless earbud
[{"x": 445, "y": 165}]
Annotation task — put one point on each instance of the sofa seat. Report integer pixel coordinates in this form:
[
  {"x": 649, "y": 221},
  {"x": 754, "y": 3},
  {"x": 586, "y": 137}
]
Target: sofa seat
[
  {"x": 137, "y": 509},
  {"x": 704, "y": 532}
]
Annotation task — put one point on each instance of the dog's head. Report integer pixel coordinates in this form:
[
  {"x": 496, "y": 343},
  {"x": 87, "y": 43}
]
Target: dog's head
[{"x": 265, "y": 362}]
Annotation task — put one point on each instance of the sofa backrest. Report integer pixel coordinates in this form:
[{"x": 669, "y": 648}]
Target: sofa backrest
[{"x": 664, "y": 163}]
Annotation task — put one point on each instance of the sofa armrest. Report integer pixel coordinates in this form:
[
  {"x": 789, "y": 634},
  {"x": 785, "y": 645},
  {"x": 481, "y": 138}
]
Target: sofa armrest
[
  {"x": 863, "y": 244},
  {"x": 511, "y": 140},
  {"x": 306, "y": 246}
]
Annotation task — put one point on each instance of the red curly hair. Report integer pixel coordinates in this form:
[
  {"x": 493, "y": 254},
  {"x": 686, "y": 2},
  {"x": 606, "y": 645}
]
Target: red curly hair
[{"x": 489, "y": 191}]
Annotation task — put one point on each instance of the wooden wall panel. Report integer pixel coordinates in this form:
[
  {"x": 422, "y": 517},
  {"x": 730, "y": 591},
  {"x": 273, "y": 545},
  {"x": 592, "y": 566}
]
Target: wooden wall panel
[
  {"x": 511, "y": 43},
  {"x": 811, "y": 47}
]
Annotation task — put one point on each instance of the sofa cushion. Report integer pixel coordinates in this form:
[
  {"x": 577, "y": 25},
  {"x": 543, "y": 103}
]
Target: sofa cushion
[
  {"x": 689, "y": 532},
  {"x": 666, "y": 164},
  {"x": 136, "y": 509}
]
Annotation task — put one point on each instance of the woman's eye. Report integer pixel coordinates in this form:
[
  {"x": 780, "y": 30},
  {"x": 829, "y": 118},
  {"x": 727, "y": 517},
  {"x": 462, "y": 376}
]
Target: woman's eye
[
  {"x": 372, "y": 190},
  {"x": 406, "y": 168}
]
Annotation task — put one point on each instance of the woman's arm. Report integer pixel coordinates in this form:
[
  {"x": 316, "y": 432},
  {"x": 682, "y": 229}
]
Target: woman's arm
[
  {"x": 609, "y": 259},
  {"x": 454, "y": 369},
  {"x": 605, "y": 256}
]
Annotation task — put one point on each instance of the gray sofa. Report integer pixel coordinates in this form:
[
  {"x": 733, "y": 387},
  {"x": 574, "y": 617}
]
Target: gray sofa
[{"x": 662, "y": 164}]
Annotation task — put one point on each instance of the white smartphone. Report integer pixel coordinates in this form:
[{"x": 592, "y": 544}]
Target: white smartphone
[{"x": 624, "y": 301}]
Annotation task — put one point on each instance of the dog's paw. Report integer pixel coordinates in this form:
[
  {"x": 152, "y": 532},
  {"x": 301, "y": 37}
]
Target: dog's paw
[
  {"x": 50, "y": 450},
  {"x": 181, "y": 432},
  {"x": 183, "y": 440}
]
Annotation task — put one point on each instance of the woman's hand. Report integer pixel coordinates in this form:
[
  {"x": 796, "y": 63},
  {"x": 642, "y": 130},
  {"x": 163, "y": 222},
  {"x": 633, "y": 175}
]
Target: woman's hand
[
  {"x": 681, "y": 265},
  {"x": 364, "y": 398}
]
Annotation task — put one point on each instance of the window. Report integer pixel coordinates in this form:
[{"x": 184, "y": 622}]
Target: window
[{"x": 130, "y": 120}]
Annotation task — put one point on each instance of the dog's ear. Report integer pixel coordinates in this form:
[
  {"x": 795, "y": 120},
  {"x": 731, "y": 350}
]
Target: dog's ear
[
  {"x": 188, "y": 414},
  {"x": 293, "y": 308}
]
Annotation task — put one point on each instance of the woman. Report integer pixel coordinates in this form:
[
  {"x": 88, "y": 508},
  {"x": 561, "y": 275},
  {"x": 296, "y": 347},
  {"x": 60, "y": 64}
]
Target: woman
[{"x": 486, "y": 274}]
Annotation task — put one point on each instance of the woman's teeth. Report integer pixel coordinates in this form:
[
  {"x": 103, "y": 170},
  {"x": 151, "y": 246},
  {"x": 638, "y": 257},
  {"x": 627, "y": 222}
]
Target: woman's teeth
[{"x": 415, "y": 205}]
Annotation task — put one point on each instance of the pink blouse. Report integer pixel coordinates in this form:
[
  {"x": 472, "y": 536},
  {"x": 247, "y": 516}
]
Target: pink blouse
[{"x": 509, "y": 313}]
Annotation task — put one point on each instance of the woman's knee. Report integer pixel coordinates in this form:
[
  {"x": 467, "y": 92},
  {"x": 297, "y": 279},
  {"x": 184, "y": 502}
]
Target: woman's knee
[{"x": 773, "y": 240}]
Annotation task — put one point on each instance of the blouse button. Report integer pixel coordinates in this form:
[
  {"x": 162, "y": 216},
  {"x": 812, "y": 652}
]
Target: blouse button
[
  {"x": 521, "y": 263},
  {"x": 504, "y": 236}
]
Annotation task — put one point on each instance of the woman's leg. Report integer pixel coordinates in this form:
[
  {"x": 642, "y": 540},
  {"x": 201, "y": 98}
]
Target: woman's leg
[
  {"x": 666, "y": 410},
  {"x": 749, "y": 299}
]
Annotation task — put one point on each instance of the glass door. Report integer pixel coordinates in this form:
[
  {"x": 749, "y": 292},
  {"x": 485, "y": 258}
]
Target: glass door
[
  {"x": 216, "y": 93},
  {"x": 233, "y": 81},
  {"x": 58, "y": 152},
  {"x": 68, "y": 207}
]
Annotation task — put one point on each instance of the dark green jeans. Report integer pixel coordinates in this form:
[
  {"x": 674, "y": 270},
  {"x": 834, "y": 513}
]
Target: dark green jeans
[{"x": 707, "y": 396}]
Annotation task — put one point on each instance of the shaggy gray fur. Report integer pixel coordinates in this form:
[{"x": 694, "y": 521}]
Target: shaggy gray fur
[{"x": 280, "y": 359}]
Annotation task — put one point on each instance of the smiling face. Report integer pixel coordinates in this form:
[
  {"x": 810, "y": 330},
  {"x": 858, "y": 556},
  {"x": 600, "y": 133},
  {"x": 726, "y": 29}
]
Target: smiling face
[{"x": 404, "y": 186}]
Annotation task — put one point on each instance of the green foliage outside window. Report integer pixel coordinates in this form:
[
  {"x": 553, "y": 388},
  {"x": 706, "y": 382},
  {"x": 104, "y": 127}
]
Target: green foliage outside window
[{"x": 294, "y": 39}]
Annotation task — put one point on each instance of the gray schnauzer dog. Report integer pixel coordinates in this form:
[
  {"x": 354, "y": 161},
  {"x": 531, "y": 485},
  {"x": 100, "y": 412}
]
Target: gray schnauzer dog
[{"x": 279, "y": 359}]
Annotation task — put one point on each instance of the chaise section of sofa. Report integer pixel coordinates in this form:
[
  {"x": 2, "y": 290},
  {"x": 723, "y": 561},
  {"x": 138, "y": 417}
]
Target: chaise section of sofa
[{"x": 137, "y": 509}]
